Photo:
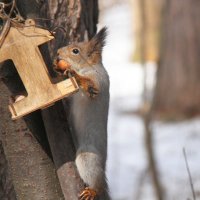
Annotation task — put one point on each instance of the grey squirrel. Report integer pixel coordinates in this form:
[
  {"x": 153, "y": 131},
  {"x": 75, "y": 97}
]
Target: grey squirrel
[{"x": 88, "y": 111}]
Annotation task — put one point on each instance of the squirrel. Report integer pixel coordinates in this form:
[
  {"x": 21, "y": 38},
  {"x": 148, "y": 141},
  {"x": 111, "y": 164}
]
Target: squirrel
[{"x": 88, "y": 111}]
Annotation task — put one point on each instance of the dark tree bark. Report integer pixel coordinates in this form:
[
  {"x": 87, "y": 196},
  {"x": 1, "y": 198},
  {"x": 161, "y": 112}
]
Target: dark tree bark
[
  {"x": 6, "y": 186},
  {"x": 32, "y": 172},
  {"x": 178, "y": 77},
  {"x": 73, "y": 20}
]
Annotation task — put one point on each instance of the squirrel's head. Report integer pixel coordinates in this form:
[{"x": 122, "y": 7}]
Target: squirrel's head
[{"x": 79, "y": 55}]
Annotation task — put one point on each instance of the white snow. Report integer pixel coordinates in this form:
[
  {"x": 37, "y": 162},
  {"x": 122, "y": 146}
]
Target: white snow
[{"x": 127, "y": 161}]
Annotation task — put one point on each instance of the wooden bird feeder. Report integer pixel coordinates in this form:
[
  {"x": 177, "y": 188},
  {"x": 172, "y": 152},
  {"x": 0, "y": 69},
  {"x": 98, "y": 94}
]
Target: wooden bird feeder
[{"x": 21, "y": 46}]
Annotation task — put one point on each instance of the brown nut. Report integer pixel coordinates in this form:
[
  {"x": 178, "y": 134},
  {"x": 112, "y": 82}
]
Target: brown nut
[{"x": 63, "y": 65}]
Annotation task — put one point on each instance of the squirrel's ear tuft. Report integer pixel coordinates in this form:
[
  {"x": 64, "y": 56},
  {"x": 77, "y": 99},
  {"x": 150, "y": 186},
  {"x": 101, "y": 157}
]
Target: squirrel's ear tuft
[
  {"x": 99, "y": 40},
  {"x": 100, "y": 37}
]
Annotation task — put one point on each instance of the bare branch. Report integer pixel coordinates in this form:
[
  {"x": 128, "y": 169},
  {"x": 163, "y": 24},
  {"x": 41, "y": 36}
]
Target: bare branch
[{"x": 189, "y": 174}]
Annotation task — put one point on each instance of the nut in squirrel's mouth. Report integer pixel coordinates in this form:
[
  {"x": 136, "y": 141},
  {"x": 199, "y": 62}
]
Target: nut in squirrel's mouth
[{"x": 61, "y": 66}]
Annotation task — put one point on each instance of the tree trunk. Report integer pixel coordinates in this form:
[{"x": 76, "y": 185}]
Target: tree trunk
[
  {"x": 147, "y": 12},
  {"x": 73, "y": 20},
  {"x": 178, "y": 78},
  {"x": 32, "y": 171},
  {"x": 6, "y": 185}
]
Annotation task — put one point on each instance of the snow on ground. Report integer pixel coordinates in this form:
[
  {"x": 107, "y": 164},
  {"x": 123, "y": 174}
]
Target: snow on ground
[
  {"x": 170, "y": 139},
  {"x": 127, "y": 161}
]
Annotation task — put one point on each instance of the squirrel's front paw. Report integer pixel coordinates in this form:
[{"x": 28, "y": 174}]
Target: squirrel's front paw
[
  {"x": 88, "y": 84},
  {"x": 87, "y": 194},
  {"x": 92, "y": 91}
]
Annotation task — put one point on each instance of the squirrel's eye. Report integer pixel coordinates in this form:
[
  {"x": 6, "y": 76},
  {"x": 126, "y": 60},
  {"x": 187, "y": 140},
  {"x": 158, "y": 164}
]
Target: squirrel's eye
[{"x": 75, "y": 51}]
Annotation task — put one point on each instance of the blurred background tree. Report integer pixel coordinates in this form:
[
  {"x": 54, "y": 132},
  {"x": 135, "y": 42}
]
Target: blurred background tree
[
  {"x": 146, "y": 19},
  {"x": 177, "y": 92},
  {"x": 167, "y": 32},
  {"x": 146, "y": 27}
]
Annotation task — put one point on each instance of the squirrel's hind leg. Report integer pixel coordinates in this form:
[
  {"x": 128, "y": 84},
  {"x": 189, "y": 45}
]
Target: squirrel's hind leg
[{"x": 90, "y": 168}]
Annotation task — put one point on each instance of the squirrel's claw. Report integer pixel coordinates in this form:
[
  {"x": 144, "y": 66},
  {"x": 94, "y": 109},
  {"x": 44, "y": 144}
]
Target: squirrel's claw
[
  {"x": 93, "y": 92},
  {"x": 87, "y": 194}
]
